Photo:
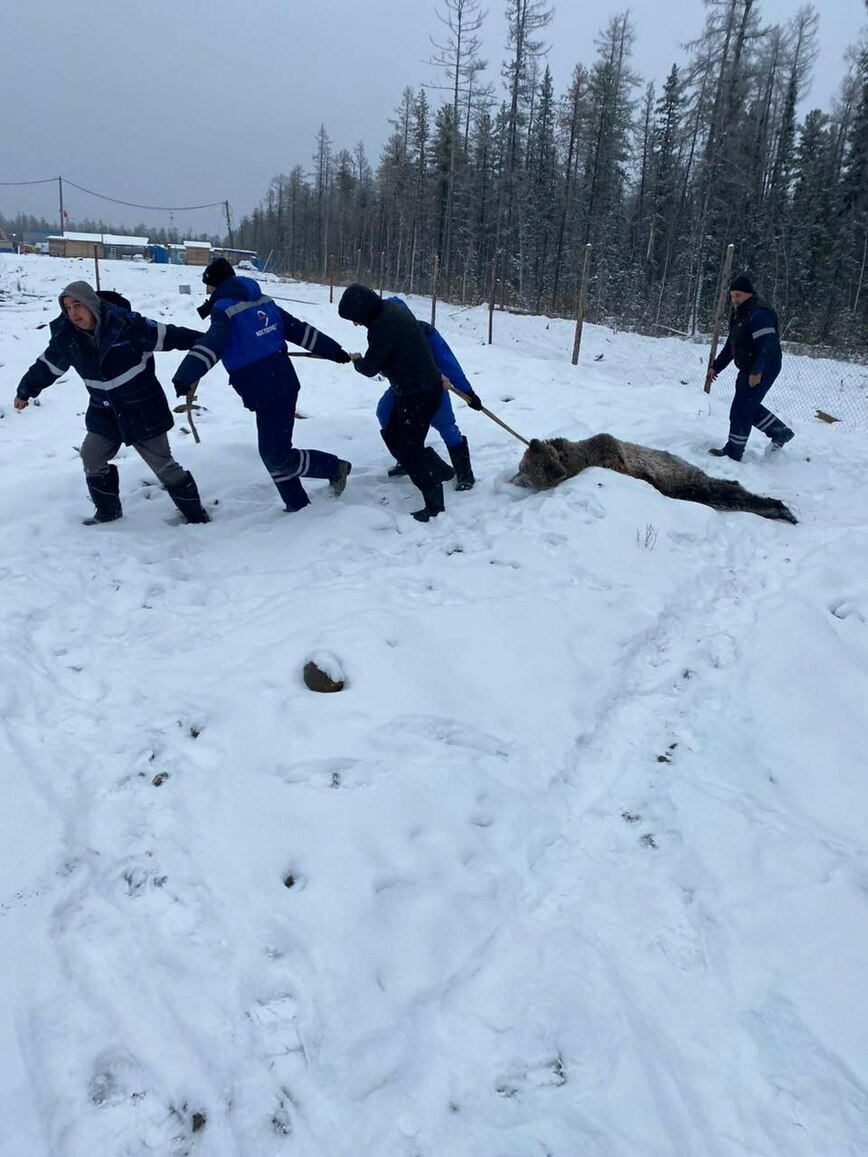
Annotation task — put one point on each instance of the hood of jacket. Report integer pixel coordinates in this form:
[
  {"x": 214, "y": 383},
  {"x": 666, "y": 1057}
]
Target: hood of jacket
[
  {"x": 86, "y": 294},
  {"x": 359, "y": 303}
]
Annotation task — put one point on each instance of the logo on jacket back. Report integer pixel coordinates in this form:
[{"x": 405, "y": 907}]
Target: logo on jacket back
[{"x": 263, "y": 317}]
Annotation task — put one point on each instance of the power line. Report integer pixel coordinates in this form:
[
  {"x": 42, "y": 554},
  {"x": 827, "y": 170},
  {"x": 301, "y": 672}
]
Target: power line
[
  {"x": 47, "y": 181},
  {"x": 116, "y": 200},
  {"x": 134, "y": 205}
]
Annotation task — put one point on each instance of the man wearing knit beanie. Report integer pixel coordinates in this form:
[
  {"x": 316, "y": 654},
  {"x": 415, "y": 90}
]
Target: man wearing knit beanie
[
  {"x": 213, "y": 277},
  {"x": 110, "y": 348},
  {"x": 216, "y": 273},
  {"x": 754, "y": 345},
  {"x": 248, "y": 333},
  {"x": 741, "y": 284}
]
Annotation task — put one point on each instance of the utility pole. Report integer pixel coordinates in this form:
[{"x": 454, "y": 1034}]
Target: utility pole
[
  {"x": 60, "y": 193},
  {"x": 229, "y": 225}
]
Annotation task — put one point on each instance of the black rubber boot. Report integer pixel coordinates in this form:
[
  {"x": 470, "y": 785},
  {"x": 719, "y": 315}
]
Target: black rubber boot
[
  {"x": 440, "y": 471},
  {"x": 724, "y": 452},
  {"x": 104, "y": 491},
  {"x": 780, "y": 438},
  {"x": 186, "y": 497},
  {"x": 338, "y": 484},
  {"x": 433, "y": 503},
  {"x": 460, "y": 456},
  {"x": 397, "y": 471}
]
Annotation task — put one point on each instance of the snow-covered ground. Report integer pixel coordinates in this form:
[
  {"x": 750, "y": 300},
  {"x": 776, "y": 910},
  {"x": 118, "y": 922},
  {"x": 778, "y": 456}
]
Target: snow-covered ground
[{"x": 576, "y": 863}]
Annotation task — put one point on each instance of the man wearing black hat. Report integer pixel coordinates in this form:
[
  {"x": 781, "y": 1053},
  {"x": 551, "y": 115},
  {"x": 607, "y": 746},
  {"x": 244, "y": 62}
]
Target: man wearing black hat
[
  {"x": 753, "y": 344},
  {"x": 248, "y": 334}
]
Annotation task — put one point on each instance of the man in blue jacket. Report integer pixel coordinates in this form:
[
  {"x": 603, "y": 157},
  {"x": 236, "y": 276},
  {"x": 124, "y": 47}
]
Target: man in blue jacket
[
  {"x": 753, "y": 344},
  {"x": 248, "y": 334},
  {"x": 444, "y": 420},
  {"x": 111, "y": 348}
]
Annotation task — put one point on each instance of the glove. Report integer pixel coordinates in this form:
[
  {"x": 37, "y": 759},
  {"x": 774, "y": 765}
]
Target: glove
[
  {"x": 205, "y": 308},
  {"x": 342, "y": 357},
  {"x": 474, "y": 401},
  {"x": 181, "y": 390}
]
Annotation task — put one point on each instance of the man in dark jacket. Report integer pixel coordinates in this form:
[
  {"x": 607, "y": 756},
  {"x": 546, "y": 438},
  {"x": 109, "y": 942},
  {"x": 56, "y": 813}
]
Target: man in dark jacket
[
  {"x": 248, "y": 334},
  {"x": 111, "y": 349},
  {"x": 753, "y": 344},
  {"x": 398, "y": 349},
  {"x": 444, "y": 420}
]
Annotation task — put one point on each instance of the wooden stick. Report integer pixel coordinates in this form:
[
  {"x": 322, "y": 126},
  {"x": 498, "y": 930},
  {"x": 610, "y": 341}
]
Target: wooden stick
[
  {"x": 487, "y": 413},
  {"x": 718, "y": 313},
  {"x": 188, "y": 407}
]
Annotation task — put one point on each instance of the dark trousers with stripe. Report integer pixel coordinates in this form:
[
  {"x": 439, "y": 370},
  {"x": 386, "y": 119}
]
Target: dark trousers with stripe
[
  {"x": 284, "y": 462},
  {"x": 747, "y": 411},
  {"x": 406, "y": 430}
]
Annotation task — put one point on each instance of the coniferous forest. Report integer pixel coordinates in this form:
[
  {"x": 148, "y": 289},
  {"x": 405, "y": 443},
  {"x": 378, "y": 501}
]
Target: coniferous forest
[
  {"x": 496, "y": 189},
  {"x": 501, "y": 187}
]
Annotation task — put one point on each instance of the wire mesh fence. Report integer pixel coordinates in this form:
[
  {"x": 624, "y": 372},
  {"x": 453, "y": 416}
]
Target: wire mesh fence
[{"x": 814, "y": 382}]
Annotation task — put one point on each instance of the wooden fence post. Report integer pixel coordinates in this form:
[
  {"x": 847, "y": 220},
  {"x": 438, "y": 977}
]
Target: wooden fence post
[
  {"x": 434, "y": 280},
  {"x": 96, "y": 264},
  {"x": 718, "y": 313},
  {"x": 382, "y": 271},
  {"x": 491, "y": 298},
  {"x": 331, "y": 278},
  {"x": 580, "y": 310}
]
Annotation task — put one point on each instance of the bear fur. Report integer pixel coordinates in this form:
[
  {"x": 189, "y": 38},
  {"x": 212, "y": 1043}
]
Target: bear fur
[{"x": 545, "y": 463}]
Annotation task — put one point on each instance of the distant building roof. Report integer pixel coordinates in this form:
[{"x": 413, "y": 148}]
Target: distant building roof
[
  {"x": 233, "y": 249},
  {"x": 198, "y": 244},
  {"x": 102, "y": 238}
]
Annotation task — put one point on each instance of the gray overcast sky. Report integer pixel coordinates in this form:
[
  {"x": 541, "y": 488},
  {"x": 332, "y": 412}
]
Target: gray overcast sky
[{"x": 181, "y": 102}]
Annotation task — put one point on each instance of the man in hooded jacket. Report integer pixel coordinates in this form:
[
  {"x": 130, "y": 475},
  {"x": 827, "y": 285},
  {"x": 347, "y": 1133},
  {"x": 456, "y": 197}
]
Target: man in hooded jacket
[
  {"x": 399, "y": 350},
  {"x": 111, "y": 349},
  {"x": 754, "y": 345},
  {"x": 444, "y": 420},
  {"x": 248, "y": 333}
]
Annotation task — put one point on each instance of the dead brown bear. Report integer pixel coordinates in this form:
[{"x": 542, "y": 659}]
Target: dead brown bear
[{"x": 546, "y": 463}]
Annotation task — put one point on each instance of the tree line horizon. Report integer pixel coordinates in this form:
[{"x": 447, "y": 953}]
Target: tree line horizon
[{"x": 499, "y": 193}]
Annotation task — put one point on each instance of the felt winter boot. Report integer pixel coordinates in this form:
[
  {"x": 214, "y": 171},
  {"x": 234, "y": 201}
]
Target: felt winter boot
[
  {"x": 186, "y": 497},
  {"x": 104, "y": 491},
  {"x": 433, "y": 503},
  {"x": 460, "y": 456},
  {"x": 440, "y": 471}
]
